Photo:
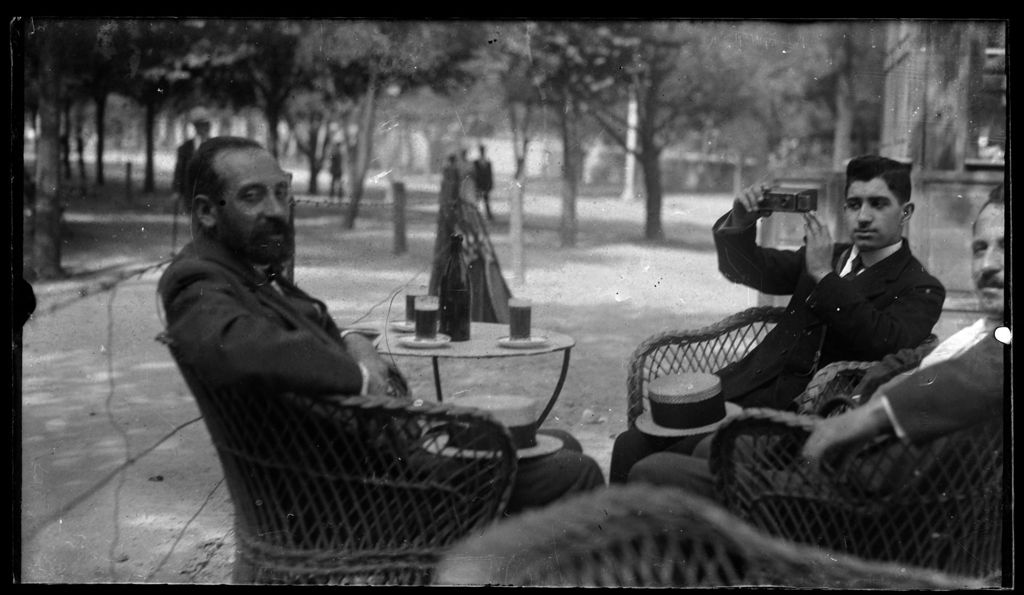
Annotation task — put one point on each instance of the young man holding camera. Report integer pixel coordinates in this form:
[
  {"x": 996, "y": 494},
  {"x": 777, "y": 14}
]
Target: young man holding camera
[
  {"x": 857, "y": 301},
  {"x": 850, "y": 301}
]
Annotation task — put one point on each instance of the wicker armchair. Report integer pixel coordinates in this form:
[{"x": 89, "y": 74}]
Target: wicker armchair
[
  {"x": 647, "y": 536},
  {"x": 937, "y": 506},
  {"x": 708, "y": 349},
  {"x": 346, "y": 490}
]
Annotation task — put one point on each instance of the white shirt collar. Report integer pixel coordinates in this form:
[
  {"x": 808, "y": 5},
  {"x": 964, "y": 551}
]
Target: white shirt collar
[
  {"x": 959, "y": 342},
  {"x": 870, "y": 258}
]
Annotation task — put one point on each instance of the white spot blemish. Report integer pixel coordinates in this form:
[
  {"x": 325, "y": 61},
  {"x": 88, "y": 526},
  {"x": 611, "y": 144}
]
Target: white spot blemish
[{"x": 1004, "y": 335}]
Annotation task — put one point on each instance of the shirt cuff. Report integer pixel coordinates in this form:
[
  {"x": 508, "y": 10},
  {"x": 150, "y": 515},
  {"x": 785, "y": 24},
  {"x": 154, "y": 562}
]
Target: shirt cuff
[
  {"x": 900, "y": 432},
  {"x": 347, "y": 332},
  {"x": 365, "y": 387}
]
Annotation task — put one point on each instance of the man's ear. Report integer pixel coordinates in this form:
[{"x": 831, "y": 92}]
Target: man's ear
[
  {"x": 908, "y": 210},
  {"x": 205, "y": 210}
]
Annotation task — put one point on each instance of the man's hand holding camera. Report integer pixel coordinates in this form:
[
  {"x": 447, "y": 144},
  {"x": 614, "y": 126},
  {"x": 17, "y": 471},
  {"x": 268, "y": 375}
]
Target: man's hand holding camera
[
  {"x": 745, "y": 209},
  {"x": 818, "y": 252},
  {"x": 760, "y": 200}
]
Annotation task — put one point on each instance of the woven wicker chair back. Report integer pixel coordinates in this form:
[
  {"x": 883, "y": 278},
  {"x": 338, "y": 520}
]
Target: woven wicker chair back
[
  {"x": 707, "y": 349},
  {"x": 349, "y": 490},
  {"x": 647, "y": 536}
]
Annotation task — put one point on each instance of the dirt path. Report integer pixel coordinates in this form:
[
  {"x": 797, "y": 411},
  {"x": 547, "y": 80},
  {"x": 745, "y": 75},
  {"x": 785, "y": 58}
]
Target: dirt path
[{"x": 98, "y": 390}]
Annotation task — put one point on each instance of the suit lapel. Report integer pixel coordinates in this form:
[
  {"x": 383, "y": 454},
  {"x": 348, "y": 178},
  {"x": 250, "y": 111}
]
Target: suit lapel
[
  {"x": 261, "y": 289},
  {"x": 270, "y": 298},
  {"x": 877, "y": 278}
]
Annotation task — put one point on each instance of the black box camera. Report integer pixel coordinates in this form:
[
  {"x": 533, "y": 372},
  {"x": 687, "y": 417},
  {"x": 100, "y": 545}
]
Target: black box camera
[{"x": 793, "y": 200}]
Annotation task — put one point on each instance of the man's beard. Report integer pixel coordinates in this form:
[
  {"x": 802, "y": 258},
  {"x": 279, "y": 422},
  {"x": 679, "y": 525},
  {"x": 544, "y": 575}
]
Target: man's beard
[{"x": 270, "y": 242}]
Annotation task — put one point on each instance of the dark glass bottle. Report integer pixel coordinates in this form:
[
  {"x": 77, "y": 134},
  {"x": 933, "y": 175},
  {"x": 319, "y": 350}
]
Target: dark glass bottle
[{"x": 454, "y": 293}]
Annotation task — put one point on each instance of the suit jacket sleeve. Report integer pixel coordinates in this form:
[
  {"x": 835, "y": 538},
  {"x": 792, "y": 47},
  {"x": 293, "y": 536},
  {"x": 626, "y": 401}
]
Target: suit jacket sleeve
[
  {"x": 873, "y": 330},
  {"x": 889, "y": 367},
  {"x": 741, "y": 260},
  {"x": 951, "y": 395},
  {"x": 232, "y": 344}
]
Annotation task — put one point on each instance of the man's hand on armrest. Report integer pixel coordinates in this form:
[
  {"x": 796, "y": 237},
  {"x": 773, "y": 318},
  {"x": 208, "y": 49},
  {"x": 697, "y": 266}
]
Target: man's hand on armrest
[
  {"x": 363, "y": 351},
  {"x": 845, "y": 430}
]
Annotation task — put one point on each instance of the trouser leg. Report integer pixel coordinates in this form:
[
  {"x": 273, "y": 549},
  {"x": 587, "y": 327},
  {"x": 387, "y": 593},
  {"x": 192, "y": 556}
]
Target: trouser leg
[
  {"x": 633, "y": 445},
  {"x": 545, "y": 479},
  {"x": 672, "y": 469}
]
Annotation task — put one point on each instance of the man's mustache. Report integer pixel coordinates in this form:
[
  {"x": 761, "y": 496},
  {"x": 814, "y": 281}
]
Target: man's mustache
[
  {"x": 272, "y": 227},
  {"x": 990, "y": 282}
]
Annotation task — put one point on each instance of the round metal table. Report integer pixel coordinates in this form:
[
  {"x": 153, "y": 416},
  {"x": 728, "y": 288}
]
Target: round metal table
[{"x": 483, "y": 343}]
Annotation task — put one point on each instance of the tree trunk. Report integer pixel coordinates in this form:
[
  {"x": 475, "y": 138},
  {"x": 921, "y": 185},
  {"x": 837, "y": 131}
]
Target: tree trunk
[
  {"x": 520, "y": 147},
  {"x": 46, "y": 240},
  {"x": 650, "y": 162},
  {"x": 314, "y": 168},
  {"x": 515, "y": 227},
  {"x": 149, "y": 182},
  {"x": 567, "y": 225},
  {"x": 65, "y": 139},
  {"x": 629, "y": 171},
  {"x": 101, "y": 111},
  {"x": 273, "y": 115},
  {"x": 314, "y": 156},
  {"x": 435, "y": 149},
  {"x": 364, "y": 149},
  {"x": 80, "y": 146},
  {"x": 407, "y": 149},
  {"x": 844, "y": 106},
  {"x": 250, "y": 125}
]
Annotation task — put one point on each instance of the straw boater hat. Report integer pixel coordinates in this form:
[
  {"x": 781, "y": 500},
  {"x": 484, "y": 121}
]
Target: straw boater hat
[
  {"x": 685, "y": 405},
  {"x": 517, "y": 413}
]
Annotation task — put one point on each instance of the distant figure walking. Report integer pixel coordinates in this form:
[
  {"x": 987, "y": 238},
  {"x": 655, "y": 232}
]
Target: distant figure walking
[
  {"x": 336, "y": 172},
  {"x": 484, "y": 178},
  {"x": 181, "y": 185},
  {"x": 458, "y": 214}
]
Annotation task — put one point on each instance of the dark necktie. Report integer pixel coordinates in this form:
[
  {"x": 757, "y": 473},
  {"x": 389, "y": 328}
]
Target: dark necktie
[
  {"x": 286, "y": 288},
  {"x": 856, "y": 266}
]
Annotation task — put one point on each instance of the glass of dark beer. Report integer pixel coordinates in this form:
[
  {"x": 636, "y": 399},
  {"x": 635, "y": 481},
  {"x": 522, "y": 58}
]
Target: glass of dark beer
[
  {"x": 426, "y": 318},
  {"x": 519, "y": 319},
  {"x": 411, "y": 293}
]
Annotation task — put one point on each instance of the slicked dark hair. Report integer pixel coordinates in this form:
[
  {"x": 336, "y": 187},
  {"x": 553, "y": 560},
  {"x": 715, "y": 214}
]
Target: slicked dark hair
[
  {"x": 201, "y": 170},
  {"x": 896, "y": 175}
]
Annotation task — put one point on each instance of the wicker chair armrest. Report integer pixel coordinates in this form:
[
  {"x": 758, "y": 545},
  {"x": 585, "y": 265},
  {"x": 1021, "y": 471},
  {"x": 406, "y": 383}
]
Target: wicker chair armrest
[
  {"x": 837, "y": 379},
  {"x": 755, "y": 421},
  {"x": 647, "y": 536},
  {"x": 693, "y": 358}
]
